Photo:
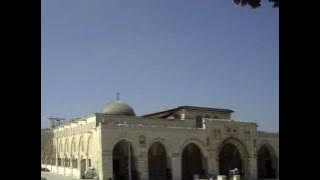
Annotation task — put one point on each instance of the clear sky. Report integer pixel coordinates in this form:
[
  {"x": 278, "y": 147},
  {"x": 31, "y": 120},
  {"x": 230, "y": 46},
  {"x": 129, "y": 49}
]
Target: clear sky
[{"x": 160, "y": 54}]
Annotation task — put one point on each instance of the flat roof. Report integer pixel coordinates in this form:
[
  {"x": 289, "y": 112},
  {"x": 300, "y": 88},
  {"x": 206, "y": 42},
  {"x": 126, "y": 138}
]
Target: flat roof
[{"x": 190, "y": 108}]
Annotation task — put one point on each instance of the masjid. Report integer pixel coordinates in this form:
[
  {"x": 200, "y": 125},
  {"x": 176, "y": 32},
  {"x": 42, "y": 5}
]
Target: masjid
[{"x": 175, "y": 144}]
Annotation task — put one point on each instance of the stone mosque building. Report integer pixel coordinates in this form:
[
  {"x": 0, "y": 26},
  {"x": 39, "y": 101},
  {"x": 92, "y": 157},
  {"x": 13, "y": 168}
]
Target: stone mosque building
[{"x": 173, "y": 144}]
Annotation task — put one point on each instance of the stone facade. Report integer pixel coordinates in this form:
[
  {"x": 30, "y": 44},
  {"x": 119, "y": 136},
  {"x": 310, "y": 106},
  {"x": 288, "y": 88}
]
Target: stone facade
[{"x": 91, "y": 141}]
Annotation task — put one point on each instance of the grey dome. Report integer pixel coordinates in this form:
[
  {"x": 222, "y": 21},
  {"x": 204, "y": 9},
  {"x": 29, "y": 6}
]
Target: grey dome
[{"x": 118, "y": 108}]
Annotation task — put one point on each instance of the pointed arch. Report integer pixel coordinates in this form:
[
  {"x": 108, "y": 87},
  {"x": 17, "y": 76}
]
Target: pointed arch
[
  {"x": 197, "y": 142},
  {"x": 267, "y": 161},
  {"x": 192, "y": 161},
  {"x": 122, "y": 154},
  {"x": 267, "y": 145},
  {"x": 232, "y": 153},
  {"x": 163, "y": 142},
  {"x": 157, "y": 161}
]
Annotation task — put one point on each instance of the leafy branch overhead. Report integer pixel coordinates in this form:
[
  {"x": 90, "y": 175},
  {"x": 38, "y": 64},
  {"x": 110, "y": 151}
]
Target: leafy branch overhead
[{"x": 256, "y": 3}]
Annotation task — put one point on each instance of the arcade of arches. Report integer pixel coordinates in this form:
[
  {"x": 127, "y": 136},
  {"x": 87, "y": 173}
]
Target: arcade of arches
[{"x": 192, "y": 162}]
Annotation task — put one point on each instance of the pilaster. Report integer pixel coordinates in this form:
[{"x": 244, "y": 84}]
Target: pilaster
[{"x": 176, "y": 166}]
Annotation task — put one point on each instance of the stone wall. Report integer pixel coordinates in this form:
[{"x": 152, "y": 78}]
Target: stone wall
[
  {"x": 77, "y": 140},
  {"x": 94, "y": 138},
  {"x": 46, "y": 144},
  {"x": 175, "y": 135},
  {"x": 269, "y": 138},
  {"x": 192, "y": 114}
]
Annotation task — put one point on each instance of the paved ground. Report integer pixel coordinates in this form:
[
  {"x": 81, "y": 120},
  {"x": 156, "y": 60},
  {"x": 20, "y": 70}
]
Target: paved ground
[{"x": 52, "y": 176}]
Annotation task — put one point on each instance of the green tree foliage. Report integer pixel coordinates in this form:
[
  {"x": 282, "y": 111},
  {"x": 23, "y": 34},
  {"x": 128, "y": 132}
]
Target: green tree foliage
[{"x": 255, "y": 3}]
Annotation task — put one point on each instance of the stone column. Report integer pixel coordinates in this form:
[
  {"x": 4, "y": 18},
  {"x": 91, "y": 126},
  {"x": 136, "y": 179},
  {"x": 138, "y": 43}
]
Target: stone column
[
  {"x": 253, "y": 171},
  {"x": 71, "y": 165},
  {"x": 87, "y": 163},
  {"x": 101, "y": 154},
  {"x": 56, "y": 164},
  {"x": 79, "y": 165},
  {"x": 176, "y": 166},
  {"x": 64, "y": 165},
  {"x": 214, "y": 166},
  {"x": 213, "y": 163},
  {"x": 142, "y": 166}
]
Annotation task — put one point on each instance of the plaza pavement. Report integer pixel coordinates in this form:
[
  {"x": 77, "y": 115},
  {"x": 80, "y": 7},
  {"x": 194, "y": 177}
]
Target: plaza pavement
[{"x": 53, "y": 176}]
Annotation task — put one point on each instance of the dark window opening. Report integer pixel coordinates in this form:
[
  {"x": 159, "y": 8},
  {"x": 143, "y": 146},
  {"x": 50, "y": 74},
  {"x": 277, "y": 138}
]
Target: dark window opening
[
  {"x": 59, "y": 162},
  {"x": 74, "y": 163},
  {"x": 199, "y": 122},
  {"x": 53, "y": 161}
]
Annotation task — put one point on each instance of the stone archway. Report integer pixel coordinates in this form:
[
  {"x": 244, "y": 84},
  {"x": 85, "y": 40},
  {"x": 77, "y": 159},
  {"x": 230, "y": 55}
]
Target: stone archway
[
  {"x": 192, "y": 162},
  {"x": 123, "y": 161},
  {"x": 157, "y": 162},
  {"x": 233, "y": 154},
  {"x": 229, "y": 158},
  {"x": 267, "y": 163}
]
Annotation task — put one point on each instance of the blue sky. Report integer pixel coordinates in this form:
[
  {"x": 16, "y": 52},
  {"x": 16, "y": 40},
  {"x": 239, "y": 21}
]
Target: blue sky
[{"x": 160, "y": 54}]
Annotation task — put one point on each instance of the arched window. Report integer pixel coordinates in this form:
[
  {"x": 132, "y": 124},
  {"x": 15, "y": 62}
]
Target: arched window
[{"x": 74, "y": 163}]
